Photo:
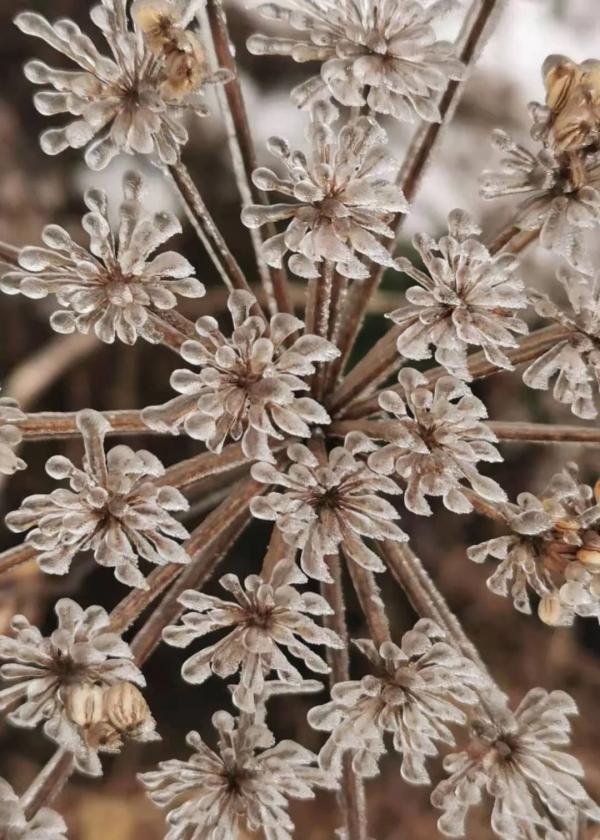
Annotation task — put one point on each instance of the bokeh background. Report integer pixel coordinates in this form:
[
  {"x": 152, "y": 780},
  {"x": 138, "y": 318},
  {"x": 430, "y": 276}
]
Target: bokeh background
[{"x": 47, "y": 372}]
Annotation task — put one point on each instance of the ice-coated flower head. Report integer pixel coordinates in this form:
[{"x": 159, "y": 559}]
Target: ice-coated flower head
[
  {"x": 245, "y": 783},
  {"x": 113, "y": 508},
  {"x": 554, "y": 549},
  {"x": 134, "y": 100},
  {"x": 247, "y": 385},
  {"x": 116, "y": 286},
  {"x": 268, "y": 616},
  {"x": 574, "y": 360},
  {"x": 436, "y": 443},
  {"x": 330, "y": 506},
  {"x": 381, "y": 53},
  {"x": 415, "y": 694},
  {"x": 560, "y": 202},
  {"x": 517, "y": 759},
  {"x": 345, "y": 198},
  {"x": 45, "y": 824},
  {"x": 42, "y": 673},
  {"x": 467, "y": 297},
  {"x": 10, "y": 436}
]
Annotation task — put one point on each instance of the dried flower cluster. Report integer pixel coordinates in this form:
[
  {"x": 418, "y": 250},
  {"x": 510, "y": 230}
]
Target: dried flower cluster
[
  {"x": 114, "y": 508},
  {"x": 47, "y": 676},
  {"x": 285, "y": 428},
  {"x": 554, "y": 549}
]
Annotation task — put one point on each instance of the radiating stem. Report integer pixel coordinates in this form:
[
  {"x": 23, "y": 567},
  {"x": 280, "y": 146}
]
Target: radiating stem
[
  {"x": 424, "y": 596},
  {"x": 352, "y": 793},
  {"x": 206, "y": 546},
  {"x": 48, "y": 783},
  {"x": 9, "y": 255},
  {"x": 46, "y": 425},
  {"x": 479, "y": 366},
  {"x": 16, "y": 556},
  {"x": 277, "y": 550},
  {"x": 546, "y": 433},
  {"x": 243, "y": 152},
  {"x": 475, "y": 30},
  {"x": 205, "y": 226},
  {"x": 371, "y": 602}
]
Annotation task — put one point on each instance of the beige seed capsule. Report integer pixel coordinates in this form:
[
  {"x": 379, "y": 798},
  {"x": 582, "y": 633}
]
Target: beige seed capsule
[
  {"x": 125, "y": 706},
  {"x": 185, "y": 67},
  {"x": 84, "y": 704},
  {"x": 589, "y": 557},
  {"x": 550, "y": 610},
  {"x": 157, "y": 21}
]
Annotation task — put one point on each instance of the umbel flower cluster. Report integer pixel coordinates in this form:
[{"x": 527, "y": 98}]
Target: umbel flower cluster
[{"x": 288, "y": 430}]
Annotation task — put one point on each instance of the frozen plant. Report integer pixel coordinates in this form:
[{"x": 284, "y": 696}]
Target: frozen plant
[{"x": 295, "y": 437}]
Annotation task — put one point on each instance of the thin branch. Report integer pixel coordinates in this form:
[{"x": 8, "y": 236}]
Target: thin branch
[
  {"x": 9, "y": 255},
  {"x": 352, "y": 793},
  {"x": 48, "y": 783},
  {"x": 371, "y": 602},
  {"x": 546, "y": 433},
  {"x": 479, "y": 366},
  {"x": 16, "y": 556},
  {"x": 189, "y": 472},
  {"x": 29, "y": 380},
  {"x": 274, "y": 281},
  {"x": 476, "y": 29},
  {"x": 207, "y": 230},
  {"x": 424, "y": 596},
  {"x": 206, "y": 546},
  {"x": 45, "y": 425}
]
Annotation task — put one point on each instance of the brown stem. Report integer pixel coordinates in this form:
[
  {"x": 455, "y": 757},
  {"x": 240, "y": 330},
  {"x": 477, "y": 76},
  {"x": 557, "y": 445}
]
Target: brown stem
[
  {"x": 45, "y": 425},
  {"x": 424, "y": 596},
  {"x": 9, "y": 255},
  {"x": 48, "y": 783},
  {"x": 479, "y": 366},
  {"x": 371, "y": 602},
  {"x": 206, "y": 546},
  {"x": 277, "y": 550},
  {"x": 193, "y": 470},
  {"x": 546, "y": 433},
  {"x": 16, "y": 556},
  {"x": 352, "y": 792},
  {"x": 207, "y": 230},
  {"x": 475, "y": 30},
  {"x": 243, "y": 150}
]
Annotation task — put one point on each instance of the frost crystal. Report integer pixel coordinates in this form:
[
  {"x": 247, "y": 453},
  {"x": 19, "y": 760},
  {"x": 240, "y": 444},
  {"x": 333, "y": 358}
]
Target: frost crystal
[
  {"x": 468, "y": 297},
  {"x": 40, "y": 672},
  {"x": 514, "y": 758},
  {"x": 576, "y": 358},
  {"x": 14, "y": 825},
  {"x": 345, "y": 198},
  {"x": 247, "y": 384},
  {"x": 266, "y": 616},
  {"x": 554, "y": 548},
  {"x": 376, "y": 52},
  {"x": 329, "y": 507},
  {"x": 118, "y": 286},
  {"x": 134, "y": 101},
  {"x": 559, "y": 203},
  {"x": 10, "y": 437},
  {"x": 114, "y": 508},
  {"x": 246, "y": 783},
  {"x": 417, "y": 691},
  {"x": 436, "y": 442}
]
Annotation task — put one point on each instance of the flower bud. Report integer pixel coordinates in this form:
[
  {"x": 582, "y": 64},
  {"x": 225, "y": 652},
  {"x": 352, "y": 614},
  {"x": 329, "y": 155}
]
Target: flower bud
[
  {"x": 550, "y": 610},
  {"x": 125, "y": 706},
  {"x": 84, "y": 704}
]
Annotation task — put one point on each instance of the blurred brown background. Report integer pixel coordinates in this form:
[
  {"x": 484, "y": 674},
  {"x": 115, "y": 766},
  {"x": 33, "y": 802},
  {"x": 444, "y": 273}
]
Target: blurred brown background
[{"x": 50, "y": 373}]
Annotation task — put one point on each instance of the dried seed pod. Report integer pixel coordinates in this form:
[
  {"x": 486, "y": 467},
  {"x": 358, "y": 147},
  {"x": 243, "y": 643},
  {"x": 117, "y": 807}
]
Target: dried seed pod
[
  {"x": 103, "y": 735},
  {"x": 573, "y": 96},
  {"x": 157, "y": 22},
  {"x": 185, "y": 67},
  {"x": 589, "y": 556},
  {"x": 550, "y": 610},
  {"x": 125, "y": 707},
  {"x": 84, "y": 704}
]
